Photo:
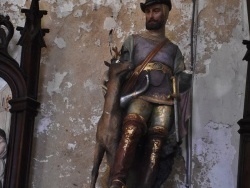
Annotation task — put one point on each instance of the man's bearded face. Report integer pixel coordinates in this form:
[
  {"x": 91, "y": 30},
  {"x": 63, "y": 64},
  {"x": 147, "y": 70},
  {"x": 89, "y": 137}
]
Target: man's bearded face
[{"x": 155, "y": 17}]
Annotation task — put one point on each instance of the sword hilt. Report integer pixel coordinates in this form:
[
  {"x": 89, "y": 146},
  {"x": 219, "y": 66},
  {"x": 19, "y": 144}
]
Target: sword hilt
[{"x": 175, "y": 93}]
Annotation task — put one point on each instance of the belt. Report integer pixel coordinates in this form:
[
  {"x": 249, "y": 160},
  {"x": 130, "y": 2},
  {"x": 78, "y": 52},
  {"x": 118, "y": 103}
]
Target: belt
[{"x": 158, "y": 66}]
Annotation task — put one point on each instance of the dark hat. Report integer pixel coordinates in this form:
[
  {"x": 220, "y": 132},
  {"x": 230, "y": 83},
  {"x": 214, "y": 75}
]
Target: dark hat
[{"x": 152, "y": 2}]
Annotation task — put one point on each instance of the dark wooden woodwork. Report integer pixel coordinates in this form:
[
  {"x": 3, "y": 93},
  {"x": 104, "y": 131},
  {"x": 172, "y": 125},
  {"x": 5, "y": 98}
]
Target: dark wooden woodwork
[
  {"x": 244, "y": 152},
  {"x": 23, "y": 82}
]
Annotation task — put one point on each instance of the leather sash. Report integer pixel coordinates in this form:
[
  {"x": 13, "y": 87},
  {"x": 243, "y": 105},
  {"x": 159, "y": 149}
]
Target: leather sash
[{"x": 134, "y": 77}]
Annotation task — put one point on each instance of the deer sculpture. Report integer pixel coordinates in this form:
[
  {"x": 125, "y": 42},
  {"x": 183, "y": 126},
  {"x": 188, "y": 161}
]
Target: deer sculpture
[{"x": 109, "y": 125}]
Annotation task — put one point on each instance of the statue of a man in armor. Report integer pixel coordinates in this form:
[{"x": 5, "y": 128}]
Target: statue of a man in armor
[{"x": 150, "y": 115}]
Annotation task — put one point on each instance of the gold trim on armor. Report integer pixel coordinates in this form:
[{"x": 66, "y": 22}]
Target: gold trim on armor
[
  {"x": 159, "y": 131},
  {"x": 128, "y": 133},
  {"x": 134, "y": 117},
  {"x": 158, "y": 66},
  {"x": 159, "y": 99},
  {"x": 156, "y": 148}
]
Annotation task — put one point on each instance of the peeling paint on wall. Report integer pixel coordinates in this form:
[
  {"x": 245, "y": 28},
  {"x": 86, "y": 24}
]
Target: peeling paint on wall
[
  {"x": 214, "y": 153},
  {"x": 86, "y": 26},
  {"x": 14, "y": 2},
  {"x": 54, "y": 85},
  {"x": 44, "y": 125},
  {"x": 78, "y": 13},
  {"x": 71, "y": 146},
  {"x": 60, "y": 42},
  {"x": 109, "y": 23},
  {"x": 88, "y": 84}
]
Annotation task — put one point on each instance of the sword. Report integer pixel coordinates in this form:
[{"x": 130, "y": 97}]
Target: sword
[
  {"x": 194, "y": 28},
  {"x": 175, "y": 95}
]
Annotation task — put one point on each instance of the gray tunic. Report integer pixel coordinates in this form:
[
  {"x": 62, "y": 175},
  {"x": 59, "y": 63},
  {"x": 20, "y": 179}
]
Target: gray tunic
[{"x": 136, "y": 48}]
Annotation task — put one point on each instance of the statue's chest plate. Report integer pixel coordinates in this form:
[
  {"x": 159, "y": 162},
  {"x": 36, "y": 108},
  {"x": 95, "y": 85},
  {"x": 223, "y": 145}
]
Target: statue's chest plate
[{"x": 143, "y": 46}]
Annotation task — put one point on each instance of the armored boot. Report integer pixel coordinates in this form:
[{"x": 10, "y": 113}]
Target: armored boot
[
  {"x": 133, "y": 128},
  {"x": 150, "y": 164}
]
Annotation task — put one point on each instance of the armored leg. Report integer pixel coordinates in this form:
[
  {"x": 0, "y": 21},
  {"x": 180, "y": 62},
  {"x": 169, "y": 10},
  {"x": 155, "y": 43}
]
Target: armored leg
[
  {"x": 133, "y": 128},
  {"x": 161, "y": 123},
  {"x": 150, "y": 164}
]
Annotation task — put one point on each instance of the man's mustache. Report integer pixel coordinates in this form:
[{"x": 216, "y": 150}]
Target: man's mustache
[{"x": 152, "y": 20}]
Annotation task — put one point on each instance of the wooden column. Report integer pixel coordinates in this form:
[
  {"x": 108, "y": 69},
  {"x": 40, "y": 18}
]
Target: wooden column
[
  {"x": 244, "y": 153},
  {"x": 23, "y": 81}
]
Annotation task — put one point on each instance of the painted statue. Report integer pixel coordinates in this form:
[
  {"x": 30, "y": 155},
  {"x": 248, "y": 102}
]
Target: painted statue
[{"x": 151, "y": 120}]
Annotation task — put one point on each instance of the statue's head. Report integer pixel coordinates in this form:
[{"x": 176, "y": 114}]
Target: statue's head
[{"x": 156, "y": 12}]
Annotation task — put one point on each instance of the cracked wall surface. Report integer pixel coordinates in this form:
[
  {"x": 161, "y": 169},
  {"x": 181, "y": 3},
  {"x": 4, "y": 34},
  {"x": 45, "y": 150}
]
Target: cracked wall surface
[{"x": 71, "y": 97}]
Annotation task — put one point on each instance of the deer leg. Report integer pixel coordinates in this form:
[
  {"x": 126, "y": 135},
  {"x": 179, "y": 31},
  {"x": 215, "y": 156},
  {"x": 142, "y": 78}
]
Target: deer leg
[
  {"x": 110, "y": 154},
  {"x": 98, "y": 156}
]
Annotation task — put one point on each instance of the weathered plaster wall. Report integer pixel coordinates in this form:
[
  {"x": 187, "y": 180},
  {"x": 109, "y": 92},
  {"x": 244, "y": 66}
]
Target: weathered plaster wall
[{"x": 71, "y": 98}]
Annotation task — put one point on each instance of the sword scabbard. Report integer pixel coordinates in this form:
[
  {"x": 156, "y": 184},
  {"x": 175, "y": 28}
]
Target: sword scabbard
[{"x": 175, "y": 95}]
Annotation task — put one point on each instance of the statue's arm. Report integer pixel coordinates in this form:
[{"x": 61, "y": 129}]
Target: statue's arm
[
  {"x": 184, "y": 76},
  {"x": 179, "y": 65}
]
